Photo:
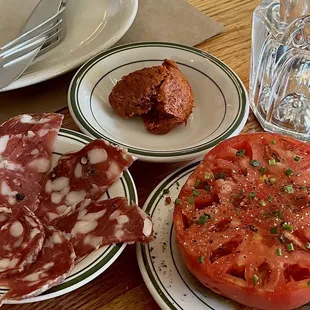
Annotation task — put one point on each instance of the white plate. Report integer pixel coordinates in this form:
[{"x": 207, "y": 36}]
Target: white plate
[
  {"x": 161, "y": 264},
  {"x": 221, "y": 103},
  {"x": 92, "y": 26},
  {"x": 98, "y": 261}
]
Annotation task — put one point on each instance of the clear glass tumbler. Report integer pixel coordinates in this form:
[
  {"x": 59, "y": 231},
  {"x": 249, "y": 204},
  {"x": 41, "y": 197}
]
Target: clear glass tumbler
[{"x": 280, "y": 67}]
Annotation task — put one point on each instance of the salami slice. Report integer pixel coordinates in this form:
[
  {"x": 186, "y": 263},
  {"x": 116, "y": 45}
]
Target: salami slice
[
  {"x": 21, "y": 239},
  {"x": 103, "y": 223},
  {"x": 24, "y": 167},
  {"x": 54, "y": 264},
  {"x": 81, "y": 175}
]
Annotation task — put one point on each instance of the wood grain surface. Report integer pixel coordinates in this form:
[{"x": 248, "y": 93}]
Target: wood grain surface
[{"x": 121, "y": 286}]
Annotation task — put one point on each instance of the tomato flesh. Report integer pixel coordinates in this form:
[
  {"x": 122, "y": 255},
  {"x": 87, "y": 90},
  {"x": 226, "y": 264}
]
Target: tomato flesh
[{"x": 242, "y": 221}]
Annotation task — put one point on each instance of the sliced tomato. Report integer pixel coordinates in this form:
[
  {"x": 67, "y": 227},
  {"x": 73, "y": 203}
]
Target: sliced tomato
[{"x": 242, "y": 221}]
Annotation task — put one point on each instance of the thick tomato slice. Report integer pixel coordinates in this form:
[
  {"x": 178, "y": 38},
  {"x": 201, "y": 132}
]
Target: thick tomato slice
[{"x": 242, "y": 221}]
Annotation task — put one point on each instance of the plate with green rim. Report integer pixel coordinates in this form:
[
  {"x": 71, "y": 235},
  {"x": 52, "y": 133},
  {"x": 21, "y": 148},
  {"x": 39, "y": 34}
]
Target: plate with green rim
[
  {"x": 221, "y": 101},
  {"x": 97, "y": 262}
]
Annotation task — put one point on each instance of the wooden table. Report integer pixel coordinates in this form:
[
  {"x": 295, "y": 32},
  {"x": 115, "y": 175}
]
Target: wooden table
[{"x": 121, "y": 286}]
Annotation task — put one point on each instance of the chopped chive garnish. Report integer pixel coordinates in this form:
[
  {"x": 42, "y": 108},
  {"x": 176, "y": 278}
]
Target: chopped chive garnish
[
  {"x": 255, "y": 279},
  {"x": 277, "y": 213},
  {"x": 290, "y": 247},
  {"x": 307, "y": 245},
  {"x": 177, "y": 183},
  {"x": 252, "y": 195},
  {"x": 279, "y": 252},
  {"x": 288, "y": 189},
  {"x": 273, "y": 142},
  {"x": 282, "y": 239},
  {"x": 208, "y": 176},
  {"x": 262, "y": 169},
  {"x": 220, "y": 175},
  {"x": 308, "y": 283},
  {"x": 166, "y": 191},
  {"x": 191, "y": 200},
  {"x": 240, "y": 153},
  {"x": 195, "y": 193},
  {"x": 272, "y": 180},
  {"x": 262, "y": 203},
  {"x": 200, "y": 259},
  {"x": 289, "y": 172},
  {"x": 208, "y": 188},
  {"x": 239, "y": 195},
  {"x": 197, "y": 183},
  {"x": 272, "y": 162},
  {"x": 287, "y": 227},
  {"x": 254, "y": 163},
  {"x": 178, "y": 201},
  {"x": 202, "y": 219},
  {"x": 297, "y": 158},
  {"x": 274, "y": 230},
  {"x": 270, "y": 198}
]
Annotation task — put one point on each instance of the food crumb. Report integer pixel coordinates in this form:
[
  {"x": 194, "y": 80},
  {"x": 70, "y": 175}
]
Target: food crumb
[{"x": 168, "y": 200}]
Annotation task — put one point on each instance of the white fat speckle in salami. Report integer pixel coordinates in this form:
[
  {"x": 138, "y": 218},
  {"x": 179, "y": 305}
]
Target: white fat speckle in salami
[
  {"x": 85, "y": 203},
  {"x": 75, "y": 197},
  {"x": 12, "y": 201},
  {"x": 60, "y": 183},
  {"x": 114, "y": 215},
  {"x": 49, "y": 186},
  {"x": 61, "y": 209},
  {"x": 94, "y": 241},
  {"x": 52, "y": 215},
  {"x": 26, "y": 118},
  {"x": 82, "y": 213},
  {"x": 40, "y": 164},
  {"x": 18, "y": 242},
  {"x": 147, "y": 227},
  {"x": 16, "y": 229},
  {"x": 34, "y": 152},
  {"x": 97, "y": 156},
  {"x": 34, "y": 232},
  {"x": 10, "y": 165},
  {"x": 6, "y": 263},
  {"x": 5, "y": 189},
  {"x": 84, "y": 227},
  {"x": 31, "y": 221},
  {"x": 44, "y": 120},
  {"x": 42, "y": 132},
  {"x": 5, "y": 210},
  {"x": 33, "y": 276},
  {"x": 65, "y": 191},
  {"x": 119, "y": 234},
  {"x": 78, "y": 171},
  {"x": 48, "y": 266},
  {"x": 2, "y": 217},
  {"x": 57, "y": 238},
  {"x": 94, "y": 216},
  {"x": 56, "y": 197},
  {"x": 122, "y": 219},
  {"x": 114, "y": 170},
  {"x": 30, "y": 134},
  {"x": 3, "y": 143}
]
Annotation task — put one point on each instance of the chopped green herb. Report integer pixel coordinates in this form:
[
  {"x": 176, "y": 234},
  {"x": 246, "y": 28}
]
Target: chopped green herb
[
  {"x": 277, "y": 213},
  {"x": 273, "y": 142},
  {"x": 253, "y": 228},
  {"x": 308, "y": 283},
  {"x": 297, "y": 158},
  {"x": 202, "y": 219},
  {"x": 262, "y": 203},
  {"x": 255, "y": 279},
  {"x": 274, "y": 230},
  {"x": 195, "y": 193},
  {"x": 290, "y": 247},
  {"x": 208, "y": 176},
  {"x": 289, "y": 172},
  {"x": 252, "y": 195},
  {"x": 166, "y": 191},
  {"x": 272, "y": 180},
  {"x": 289, "y": 189},
  {"x": 239, "y": 195},
  {"x": 272, "y": 162},
  {"x": 177, "y": 183},
  {"x": 270, "y": 198},
  {"x": 282, "y": 239},
  {"x": 240, "y": 153},
  {"x": 279, "y": 252},
  {"x": 197, "y": 183},
  {"x": 254, "y": 163},
  {"x": 307, "y": 245},
  {"x": 208, "y": 188},
  {"x": 262, "y": 170},
  {"x": 287, "y": 227},
  {"x": 220, "y": 175},
  {"x": 200, "y": 259},
  {"x": 191, "y": 200},
  {"x": 178, "y": 201}
]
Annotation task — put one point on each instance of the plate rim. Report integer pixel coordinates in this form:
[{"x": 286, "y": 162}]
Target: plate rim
[
  {"x": 99, "y": 265},
  {"x": 160, "y": 156},
  {"x": 156, "y": 292},
  {"x": 64, "y": 67}
]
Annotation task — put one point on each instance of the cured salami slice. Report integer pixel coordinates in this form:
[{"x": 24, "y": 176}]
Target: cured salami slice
[
  {"x": 24, "y": 167},
  {"x": 81, "y": 175},
  {"x": 105, "y": 222},
  {"x": 54, "y": 264},
  {"x": 21, "y": 239}
]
